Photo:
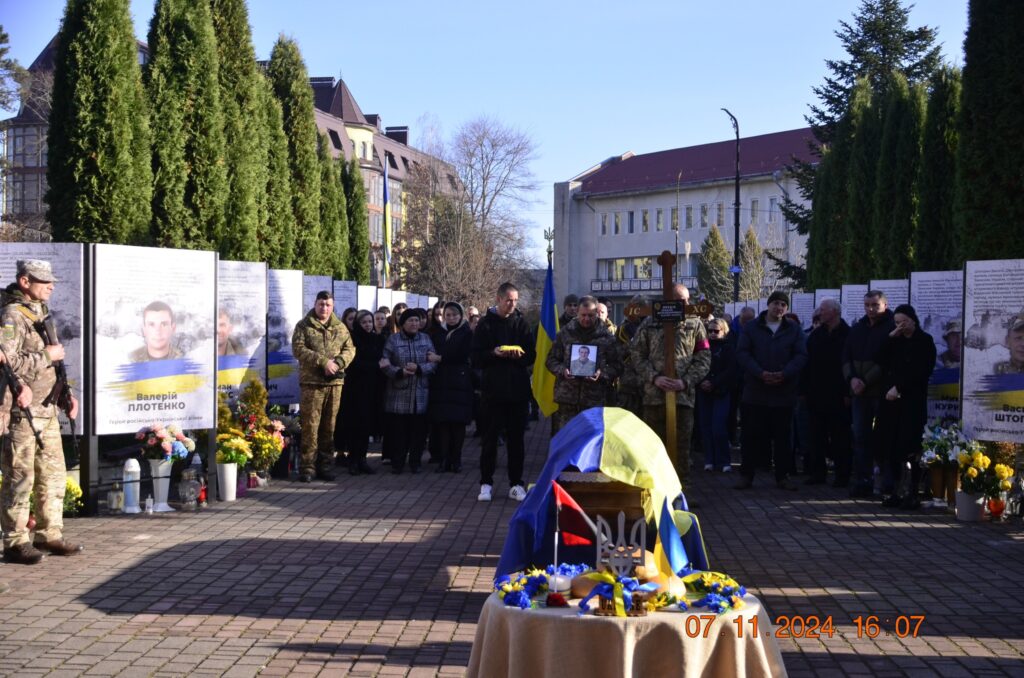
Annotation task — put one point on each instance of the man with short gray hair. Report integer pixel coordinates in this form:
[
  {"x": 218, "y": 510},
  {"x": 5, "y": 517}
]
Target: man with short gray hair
[{"x": 825, "y": 393}]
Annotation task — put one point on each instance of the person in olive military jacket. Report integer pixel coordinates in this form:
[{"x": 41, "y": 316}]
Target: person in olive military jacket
[{"x": 323, "y": 346}]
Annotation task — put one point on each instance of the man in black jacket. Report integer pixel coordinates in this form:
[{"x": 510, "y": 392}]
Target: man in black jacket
[
  {"x": 865, "y": 378},
  {"x": 771, "y": 354},
  {"x": 504, "y": 349},
  {"x": 827, "y": 396}
]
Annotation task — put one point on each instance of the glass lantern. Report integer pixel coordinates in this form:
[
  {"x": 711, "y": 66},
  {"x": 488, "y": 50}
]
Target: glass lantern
[
  {"x": 115, "y": 498},
  {"x": 188, "y": 489}
]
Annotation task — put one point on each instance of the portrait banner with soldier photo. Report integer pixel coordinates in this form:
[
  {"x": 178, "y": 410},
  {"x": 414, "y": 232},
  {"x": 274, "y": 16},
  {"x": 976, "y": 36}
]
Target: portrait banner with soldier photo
[
  {"x": 65, "y": 306},
  {"x": 896, "y": 291},
  {"x": 241, "y": 325},
  {"x": 852, "y": 299},
  {"x": 802, "y": 304},
  {"x": 156, "y": 336},
  {"x": 285, "y": 308},
  {"x": 821, "y": 295},
  {"x": 346, "y": 295},
  {"x": 937, "y": 296},
  {"x": 992, "y": 381},
  {"x": 313, "y": 285}
]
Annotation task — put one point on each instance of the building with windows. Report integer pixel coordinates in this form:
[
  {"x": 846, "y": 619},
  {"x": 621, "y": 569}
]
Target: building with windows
[{"x": 613, "y": 220}]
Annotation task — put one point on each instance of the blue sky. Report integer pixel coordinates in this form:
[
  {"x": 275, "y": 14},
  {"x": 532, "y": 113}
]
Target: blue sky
[{"x": 587, "y": 80}]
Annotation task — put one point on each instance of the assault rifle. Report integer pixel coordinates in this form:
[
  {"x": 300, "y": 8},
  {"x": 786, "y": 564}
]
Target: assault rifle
[
  {"x": 60, "y": 394},
  {"x": 8, "y": 380}
]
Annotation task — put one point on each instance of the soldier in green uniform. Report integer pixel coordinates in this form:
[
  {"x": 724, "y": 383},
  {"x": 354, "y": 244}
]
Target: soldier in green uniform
[
  {"x": 692, "y": 362},
  {"x": 951, "y": 334},
  {"x": 573, "y": 391},
  {"x": 158, "y": 329},
  {"x": 27, "y": 466},
  {"x": 1014, "y": 342},
  {"x": 322, "y": 345},
  {"x": 226, "y": 344}
]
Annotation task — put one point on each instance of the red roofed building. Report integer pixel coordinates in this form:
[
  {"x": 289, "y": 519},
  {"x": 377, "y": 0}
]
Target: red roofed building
[{"x": 614, "y": 219}]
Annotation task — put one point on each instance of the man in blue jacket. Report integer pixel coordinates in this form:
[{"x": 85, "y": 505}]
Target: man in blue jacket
[{"x": 771, "y": 354}]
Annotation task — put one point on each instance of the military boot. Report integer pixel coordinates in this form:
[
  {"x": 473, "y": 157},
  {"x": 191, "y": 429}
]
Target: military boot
[{"x": 23, "y": 554}]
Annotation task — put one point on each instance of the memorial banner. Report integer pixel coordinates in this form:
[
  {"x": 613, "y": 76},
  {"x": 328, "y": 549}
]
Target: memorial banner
[
  {"x": 241, "y": 325},
  {"x": 366, "y": 298},
  {"x": 398, "y": 297},
  {"x": 937, "y": 296},
  {"x": 828, "y": 293},
  {"x": 311, "y": 286},
  {"x": 852, "y": 299},
  {"x": 155, "y": 338},
  {"x": 285, "y": 308},
  {"x": 432, "y": 301},
  {"x": 896, "y": 291},
  {"x": 346, "y": 295},
  {"x": 993, "y": 353},
  {"x": 762, "y": 305},
  {"x": 384, "y": 298},
  {"x": 66, "y": 308},
  {"x": 802, "y": 303}
]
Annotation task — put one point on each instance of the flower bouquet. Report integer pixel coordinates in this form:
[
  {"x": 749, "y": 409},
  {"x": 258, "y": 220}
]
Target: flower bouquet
[
  {"x": 941, "y": 443},
  {"x": 233, "y": 448},
  {"x": 164, "y": 443}
]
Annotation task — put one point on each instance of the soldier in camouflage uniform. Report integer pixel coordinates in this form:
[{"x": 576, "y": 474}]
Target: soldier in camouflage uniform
[
  {"x": 322, "y": 345},
  {"x": 693, "y": 360},
  {"x": 1014, "y": 342},
  {"x": 158, "y": 328},
  {"x": 26, "y": 465},
  {"x": 575, "y": 394},
  {"x": 630, "y": 395}
]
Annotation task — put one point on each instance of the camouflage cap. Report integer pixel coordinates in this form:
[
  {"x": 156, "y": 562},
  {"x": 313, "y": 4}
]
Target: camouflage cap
[
  {"x": 37, "y": 269},
  {"x": 953, "y": 326}
]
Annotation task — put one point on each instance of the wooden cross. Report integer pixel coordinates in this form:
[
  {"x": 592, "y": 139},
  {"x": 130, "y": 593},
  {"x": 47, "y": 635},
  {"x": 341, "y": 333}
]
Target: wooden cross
[{"x": 668, "y": 263}]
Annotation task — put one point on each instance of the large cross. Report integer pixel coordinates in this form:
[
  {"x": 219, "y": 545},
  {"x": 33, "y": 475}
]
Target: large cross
[{"x": 669, "y": 311}]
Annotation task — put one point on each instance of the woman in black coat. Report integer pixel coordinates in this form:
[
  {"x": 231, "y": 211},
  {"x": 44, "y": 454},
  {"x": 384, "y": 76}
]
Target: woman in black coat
[
  {"x": 362, "y": 396},
  {"x": 907, "y": 358},
  {"x": 713, "y": 397},
  {"x": 451, "y": 388}
]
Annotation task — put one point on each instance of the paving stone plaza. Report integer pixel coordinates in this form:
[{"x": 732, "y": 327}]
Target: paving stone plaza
[{"x": 385, "y": 575}]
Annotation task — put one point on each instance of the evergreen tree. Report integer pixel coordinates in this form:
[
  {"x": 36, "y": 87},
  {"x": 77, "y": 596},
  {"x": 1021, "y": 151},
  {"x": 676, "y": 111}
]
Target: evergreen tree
[
  {"x": 189, "y": 178},
  {"x": 752, "y": 263},
  {"x": 713, "y": 275},
  {"x": 244, "y": 136},
  {"x": 333, "y": 217},
  {"x": 290, "y": 81},
  {"x": 862, "y": 130},
  {"x": 819, "y": 270},
  {"x": 895, "y": 195},
  {"x": 358, "y": 223},
  {"x": 989, "y": 209},
  {"x": 936, "y": 238},
  {"x": 276, "y": 223},
  {"x": 98, "y": 168}
]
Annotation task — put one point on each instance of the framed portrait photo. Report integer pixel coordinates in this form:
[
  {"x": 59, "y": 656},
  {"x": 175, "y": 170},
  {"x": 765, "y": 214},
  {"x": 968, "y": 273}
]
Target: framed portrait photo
[{"x": 583, "y": 360}]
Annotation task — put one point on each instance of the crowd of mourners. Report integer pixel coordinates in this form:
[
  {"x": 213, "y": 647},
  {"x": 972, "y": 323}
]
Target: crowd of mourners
[{"x": 847, "y": 400}]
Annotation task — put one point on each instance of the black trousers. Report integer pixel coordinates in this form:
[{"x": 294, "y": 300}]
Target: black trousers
[
  {"x": 906, "y": 419},
  {"x": 404, "y": 439},
  {"x": 830, "y": 438},
  {"x": 766, "y": 430},
  {"x": 510, "y": 418},
  {"x": 449, "y": 439}
]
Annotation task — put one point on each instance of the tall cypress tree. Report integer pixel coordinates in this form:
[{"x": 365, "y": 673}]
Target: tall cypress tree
[
  {"x": 358, "y": 223},
  {"x": 98, "y": 166},
  {"x": 276, "y": 224},
  {"x": 290, "y": 81},
  {"x": 820, "y": 220},
  {"x": 989, "y": 211},
  {"x": 862, "y": 130},
  {"x": 896, "y": 181},
  {"x": 713, "y": 275},
  {"x": 936, "y": 238},
  {"x": 244, "y": 135},
  {"x": 752, "y": 263},
  {"x": 333, "y": 217},
  {"x": 189, "y": 177}
]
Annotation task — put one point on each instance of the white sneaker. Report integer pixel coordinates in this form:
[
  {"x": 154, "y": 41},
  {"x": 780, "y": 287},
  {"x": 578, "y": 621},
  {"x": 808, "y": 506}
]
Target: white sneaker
[
  {"x": 485, "y": 493},
  {"x": 709, "y": 467},
  {"x": 727, "y": 469},
  {"x": 517, "y": 492}
]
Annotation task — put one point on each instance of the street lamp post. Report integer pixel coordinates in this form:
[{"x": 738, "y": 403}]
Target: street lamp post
[{"x": 736, "y": 214}]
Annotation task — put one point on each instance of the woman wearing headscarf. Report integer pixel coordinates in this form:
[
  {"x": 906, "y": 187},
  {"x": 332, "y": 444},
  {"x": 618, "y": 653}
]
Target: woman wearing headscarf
[
  {"x": 451, "y": 388},
  {"x": 907, "y": 358},
  {"x": 360, "y": 412},
  {"x": 407, "y": 369}
]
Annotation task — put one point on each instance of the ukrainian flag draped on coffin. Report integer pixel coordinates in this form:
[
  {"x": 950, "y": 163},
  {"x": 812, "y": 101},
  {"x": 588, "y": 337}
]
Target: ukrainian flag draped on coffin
[{"x": 613, "y": 441}]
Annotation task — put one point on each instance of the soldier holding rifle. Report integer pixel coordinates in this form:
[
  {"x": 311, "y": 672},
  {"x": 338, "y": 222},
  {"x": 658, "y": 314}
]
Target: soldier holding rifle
[{"x": 34, "y": 440}]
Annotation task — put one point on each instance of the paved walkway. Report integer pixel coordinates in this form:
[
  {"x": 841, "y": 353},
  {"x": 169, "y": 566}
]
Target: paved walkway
[{"x": 385, "y": 575}]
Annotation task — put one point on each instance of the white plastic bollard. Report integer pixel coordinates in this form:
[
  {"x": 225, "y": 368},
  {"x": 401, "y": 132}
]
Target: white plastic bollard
[{"x": 130, "y": 479}]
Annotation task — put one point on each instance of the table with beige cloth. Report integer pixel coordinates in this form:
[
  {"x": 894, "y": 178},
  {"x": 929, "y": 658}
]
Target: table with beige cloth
[{"x": 561, "y": 642}]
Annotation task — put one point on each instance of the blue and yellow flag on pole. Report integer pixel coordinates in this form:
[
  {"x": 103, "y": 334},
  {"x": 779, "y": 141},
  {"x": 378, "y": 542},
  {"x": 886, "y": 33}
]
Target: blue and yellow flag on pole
[
  {"x": 543, "y": 380},
  {"x": 387, "y": 225}
]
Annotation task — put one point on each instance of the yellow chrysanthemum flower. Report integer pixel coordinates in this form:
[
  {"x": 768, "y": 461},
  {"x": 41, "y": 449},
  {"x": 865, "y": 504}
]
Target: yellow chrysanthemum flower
[
  {"x": 964, "y": 459},
  {"x": 1005, "y": 485},
  {"x": 972, "y": 472}
]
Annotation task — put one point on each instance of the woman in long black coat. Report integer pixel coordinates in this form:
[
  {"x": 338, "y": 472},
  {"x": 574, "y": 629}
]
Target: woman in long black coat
[
  {"x": 451, "y": 387},
  {"x": 363, "y": 393}
]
